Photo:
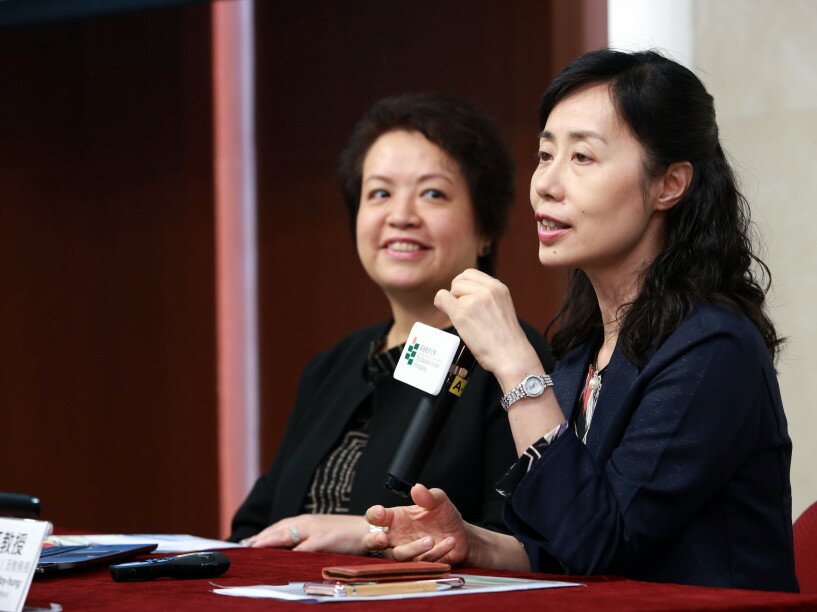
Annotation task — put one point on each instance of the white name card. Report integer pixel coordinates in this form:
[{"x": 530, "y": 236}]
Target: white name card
[
  {"x": 426, "y": 358},
  {"x": 20, "y": 543}
]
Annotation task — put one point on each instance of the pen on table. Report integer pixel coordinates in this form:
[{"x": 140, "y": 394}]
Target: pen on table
[{"x": 391, "y": 588}]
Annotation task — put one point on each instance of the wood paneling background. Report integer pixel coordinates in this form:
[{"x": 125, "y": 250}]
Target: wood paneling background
[{"x": 107, "y": 341}]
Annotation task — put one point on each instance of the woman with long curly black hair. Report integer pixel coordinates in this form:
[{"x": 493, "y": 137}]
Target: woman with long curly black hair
[{"x": 659, "y": 448}]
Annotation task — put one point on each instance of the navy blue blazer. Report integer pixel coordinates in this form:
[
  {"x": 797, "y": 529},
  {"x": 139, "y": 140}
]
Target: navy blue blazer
[{"x": 685, "y": 474}]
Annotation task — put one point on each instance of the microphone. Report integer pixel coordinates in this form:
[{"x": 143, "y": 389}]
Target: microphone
[
  {"x": 190, "y": 565},
  {"x": 19, "y": 505},
  {"x": 426, "y": 424}
]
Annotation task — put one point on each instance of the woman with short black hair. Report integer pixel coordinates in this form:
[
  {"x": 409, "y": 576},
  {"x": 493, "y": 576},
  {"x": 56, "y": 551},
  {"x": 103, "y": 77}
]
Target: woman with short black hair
[{"x": 428, "y": 181}]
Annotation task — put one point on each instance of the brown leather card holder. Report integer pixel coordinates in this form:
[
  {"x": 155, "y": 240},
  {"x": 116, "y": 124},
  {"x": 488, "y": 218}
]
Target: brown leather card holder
[{"x": 384, "y": 572}]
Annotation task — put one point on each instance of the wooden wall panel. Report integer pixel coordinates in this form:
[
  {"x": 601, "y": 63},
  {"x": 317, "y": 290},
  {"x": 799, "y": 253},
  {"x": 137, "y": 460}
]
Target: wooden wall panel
[{"x": 107, "y": 343}]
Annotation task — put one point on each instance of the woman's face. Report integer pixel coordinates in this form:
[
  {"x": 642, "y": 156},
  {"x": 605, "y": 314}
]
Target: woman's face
[
  {"x": 415, "y": 226},
  {"x": 587, "y": 190}
]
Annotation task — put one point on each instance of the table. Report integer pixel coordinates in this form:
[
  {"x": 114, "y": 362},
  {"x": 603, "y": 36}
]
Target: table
[{"x": 94, "y": 590}]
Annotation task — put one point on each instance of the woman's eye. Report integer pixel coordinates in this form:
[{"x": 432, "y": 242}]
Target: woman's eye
[
  {"x": 434, "y": 194},
  {"x": 378, "y": 194},
  {"x": 543, "y": 156},
  {"x": 581, "y": 158}
]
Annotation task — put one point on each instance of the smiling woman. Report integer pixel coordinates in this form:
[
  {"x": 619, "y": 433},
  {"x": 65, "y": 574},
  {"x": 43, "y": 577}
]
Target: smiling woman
[
  {"x": 415, "y": 225},
  {"x": 428, "y": 182}
]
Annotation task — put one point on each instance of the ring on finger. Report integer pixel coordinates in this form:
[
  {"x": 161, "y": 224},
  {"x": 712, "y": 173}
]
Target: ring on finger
[
  {"x": 377, "y": 529},
  {"x": 295, "y": 535}
]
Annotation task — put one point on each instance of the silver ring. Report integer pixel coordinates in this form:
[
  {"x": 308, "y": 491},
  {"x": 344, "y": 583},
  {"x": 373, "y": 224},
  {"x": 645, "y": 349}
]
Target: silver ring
[
  {"x": 376, "y": 529},
  {"x": 295, "y": 535}
]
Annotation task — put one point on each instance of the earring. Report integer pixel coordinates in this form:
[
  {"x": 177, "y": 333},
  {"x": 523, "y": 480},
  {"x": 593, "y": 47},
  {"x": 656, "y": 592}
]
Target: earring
[{"x": 485, "y": 250}]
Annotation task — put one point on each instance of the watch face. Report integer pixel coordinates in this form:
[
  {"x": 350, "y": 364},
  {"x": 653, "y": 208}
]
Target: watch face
[{"x": 534, "y": 386}]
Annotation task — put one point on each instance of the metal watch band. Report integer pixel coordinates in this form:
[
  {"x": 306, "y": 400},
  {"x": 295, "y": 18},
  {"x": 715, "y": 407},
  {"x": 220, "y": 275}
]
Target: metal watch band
[{"x": 518, "y": 392}]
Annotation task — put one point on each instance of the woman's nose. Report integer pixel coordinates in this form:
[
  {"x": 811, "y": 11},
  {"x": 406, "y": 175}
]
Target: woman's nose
[
  {"x": 547, "y": 182},
  {"x": 403, "y": 212}
]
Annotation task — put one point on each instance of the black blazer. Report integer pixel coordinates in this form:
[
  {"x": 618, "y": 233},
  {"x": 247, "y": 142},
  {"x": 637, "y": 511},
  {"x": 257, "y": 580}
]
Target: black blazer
[
  {"x": 473, "y": 451},
  {"x": 685, "y": 475}
]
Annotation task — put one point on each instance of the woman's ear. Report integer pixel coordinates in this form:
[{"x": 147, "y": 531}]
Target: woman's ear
[{"x": 674, "y": 184}]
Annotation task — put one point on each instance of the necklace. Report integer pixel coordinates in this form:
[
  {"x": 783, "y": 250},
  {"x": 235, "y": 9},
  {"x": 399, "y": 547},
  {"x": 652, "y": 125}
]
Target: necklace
[{"x": 595, "y": 381}]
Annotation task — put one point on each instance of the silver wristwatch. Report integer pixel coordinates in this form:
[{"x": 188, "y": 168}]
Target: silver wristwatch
[{"x": 534, "y": 385}]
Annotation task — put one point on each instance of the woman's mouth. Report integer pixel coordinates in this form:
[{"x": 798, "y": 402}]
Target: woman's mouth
[
  {"x": 403, "y": 247},
  {"x": 549, "y": 224},
  {"x": 550, "y": 230}
]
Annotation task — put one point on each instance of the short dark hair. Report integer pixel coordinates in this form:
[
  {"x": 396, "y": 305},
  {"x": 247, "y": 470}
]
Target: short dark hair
[
  {"x": 707, "y": 248},
  {"x": 459, "y": 128}
]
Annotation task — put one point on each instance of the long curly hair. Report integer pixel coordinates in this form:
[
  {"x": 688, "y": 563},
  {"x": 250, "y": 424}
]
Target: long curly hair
[{"x": 707, "y": 251}]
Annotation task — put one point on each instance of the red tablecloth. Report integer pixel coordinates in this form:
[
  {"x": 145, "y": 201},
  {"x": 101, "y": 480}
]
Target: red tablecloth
[{"x": 94, "y": 590}]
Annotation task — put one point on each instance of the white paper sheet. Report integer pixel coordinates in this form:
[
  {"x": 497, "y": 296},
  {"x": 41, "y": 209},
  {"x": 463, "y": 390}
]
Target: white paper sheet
[{"x": 294, "y": 591}]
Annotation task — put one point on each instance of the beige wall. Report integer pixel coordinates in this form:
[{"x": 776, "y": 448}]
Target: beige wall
[{"x": 759, "y": 60}]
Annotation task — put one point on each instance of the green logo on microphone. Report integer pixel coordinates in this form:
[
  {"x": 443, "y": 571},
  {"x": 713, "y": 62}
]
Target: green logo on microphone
[{"x": 411, "y": 351}]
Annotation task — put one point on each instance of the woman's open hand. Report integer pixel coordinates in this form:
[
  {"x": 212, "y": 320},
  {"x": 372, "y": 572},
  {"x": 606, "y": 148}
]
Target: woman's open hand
[{"x": 431, "y": 530}]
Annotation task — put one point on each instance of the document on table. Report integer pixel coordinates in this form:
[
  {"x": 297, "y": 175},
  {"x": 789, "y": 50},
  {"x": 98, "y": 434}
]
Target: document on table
[
  {"x": 168, "y": 542},
  {"x": 294, "y": 591}
]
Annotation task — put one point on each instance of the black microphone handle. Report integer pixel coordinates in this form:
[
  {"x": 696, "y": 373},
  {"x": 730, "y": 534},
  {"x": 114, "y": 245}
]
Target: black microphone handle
[
  {"x": 418, "y": 440},
  {"x": 425, "y": 426}
]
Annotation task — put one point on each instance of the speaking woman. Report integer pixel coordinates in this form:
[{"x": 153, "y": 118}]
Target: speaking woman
[{"x": 659, "y": 448}]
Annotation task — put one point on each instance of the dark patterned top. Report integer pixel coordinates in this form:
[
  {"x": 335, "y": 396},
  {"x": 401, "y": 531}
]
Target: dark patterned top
[
  {"x": 331, "y": 486},
  {"x": 589, "y": 399}
]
